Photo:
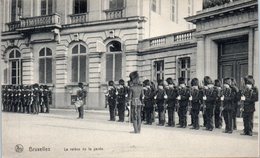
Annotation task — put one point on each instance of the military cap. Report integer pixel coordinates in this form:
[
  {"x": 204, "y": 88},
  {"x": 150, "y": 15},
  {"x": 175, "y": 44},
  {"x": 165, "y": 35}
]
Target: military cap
[
  {"x": 111, "y": 83},
  {"x": 207, "y": 80},
  {"x": 169, "y": 80},
  {"x": 249, "y": 80},
  {"x": 121, "y": 82},
  {"x": 134, "y": 75},
  {"x": 227, "y": 81},
  {"x": 80, "y": 84},
  {"x": 146, "y": 83},
  {"x": 217, "y": 83},
  {"x": 160, "y": 82},
  {"x": 194, "y": 82},
  {"x": 181, "y": 80}
]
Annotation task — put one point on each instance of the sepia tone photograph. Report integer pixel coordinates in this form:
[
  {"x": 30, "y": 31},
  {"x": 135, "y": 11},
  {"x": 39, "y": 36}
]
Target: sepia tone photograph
[{"x": 129, "y": 78}]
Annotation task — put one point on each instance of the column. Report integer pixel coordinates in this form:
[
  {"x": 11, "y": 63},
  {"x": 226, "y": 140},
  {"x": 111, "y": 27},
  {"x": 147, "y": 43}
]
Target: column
[
  {"x": 200, "y": 57},
  {"x": 256, "y": 57}
]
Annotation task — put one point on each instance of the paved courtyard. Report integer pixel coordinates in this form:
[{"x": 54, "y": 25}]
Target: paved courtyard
[{"x": 60, "y": 134}]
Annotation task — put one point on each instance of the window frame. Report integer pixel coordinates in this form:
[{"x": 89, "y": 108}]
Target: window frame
[
  {"x": 74, "y": 10},
  {"x": 116, "y": 8},
  {"x": 53, "y": 2},
  {"x": 18, "y": 62},
  {"x": 186, "y": 69},
  {"x": 45, "y": 57},
  {"x": 161, "y": 72},
  {"x": 17, "y": 11}
]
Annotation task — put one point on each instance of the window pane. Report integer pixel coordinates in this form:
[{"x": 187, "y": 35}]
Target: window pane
[
  {"x": 48, "y": 52},
  {"x": 83, "y": 6},
  {"x": 120, "y": 3},
  {"x": 188, "y": 63},
  {"x": 74, "y": 72},
  {"x": 17, "y": 54},
  {"x": 118, "y": 66},
  {"x": 42, "y": 70},
  {"x": 13, "y": 11},
  {"x": 109, "y": 67},
  {"x": 48, "y": 70},
  {"x": 183, "y": 64},
  {"x": 50, "y": 6},
  {"x": 82, "y": 49},
  {"x": 112, "y": 4},
  {"x": 43, "y": 7},
  {"x": 76, "y": 6},
  {"x": 75, "y": 50},
  {"x": 82, "y": 69},
  {"x": 11, "y": 55},
  {"x": 42, "y": 53}
]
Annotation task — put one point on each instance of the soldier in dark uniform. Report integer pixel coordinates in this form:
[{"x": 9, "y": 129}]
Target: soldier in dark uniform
[
  {"x": 9, "y": 98},
  {"x": 249, "y": 95},
  {"x": 4, "y": 97},
  {"x": 196, "y": 100},
  {"x": 24, "y": 99},
  {"x": 153, "y": 88},
  {"x": 15, "y": 99},
  {"x": 172, "y": 93},
  {"x": 41, "y": 99},
  {"x": 209, "y": 96},
  {"x": 217, "y": 111},
  {"x": 235, "y": 102},
  {"x": 19, "y": 99},
  {"x": 31, "y": 99},
  {"x": 121, "y": 99},
  {"x": 161, "y": 97},
  {"x": 228, "y": 96},
  {"x": 36, "y": 99},
  {"x": 183, "y": 100},
  {"x": 111, "y": 96},
  {"x": 46, "y": 98},
  {"x": 135, "y": 96},
  {"x": 81, "y": 95},
  {"x": 148, "y": 101}
]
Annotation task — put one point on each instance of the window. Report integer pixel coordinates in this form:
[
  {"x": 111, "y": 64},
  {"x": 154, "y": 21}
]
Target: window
[
  {"x": 16, "y": 10},
  {"x": 47, "y": 7},
  {"x": 45, "y": 66},
  {"x": 114, "y": 61},
  {"x": 79, "y": 63},
  {"x": 154, "y": 5},
  {"x": 184, "y": 68},
  {"x": 116, "y": 4},
  {"x": 80, "y": 6},
  {"x": 173, "y": 10},
  {"x": 158, "y": 70},
  {"x": 15, "y": 64}
]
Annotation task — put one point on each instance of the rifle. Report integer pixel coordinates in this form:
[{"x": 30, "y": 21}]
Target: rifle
[{"x": 221, "y": 101}]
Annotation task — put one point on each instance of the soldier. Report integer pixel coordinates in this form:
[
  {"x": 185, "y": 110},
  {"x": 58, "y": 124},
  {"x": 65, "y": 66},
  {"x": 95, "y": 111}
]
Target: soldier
[
  {"x": 196, "y": 100},
  {"x": 36, "y": 99},
  {"x": 217, "y": 111},
  {"x": 228, "y": 96},
  {"x": 135, "y": 96},
  {"x": 111, "y": 96},
  {"x": 121, "y": 99},
  {"x": 235, "y": 102},
  {"x": 183, "y": 100},
  {"x": 160, "y": 98},
  {"x": 81, "y": 95},
  {"x": 172, "y": 93},
  {"x": 148, "y": 101},
  {"x": 3, "y": 97},
  {"x": 210, "y": 94},
  {"x": 19, "y": 98},
  {"x": 9, "y": 98},
  {"x": 153, "y": 88},
  {"x": 249, "y": 95},
  {"x": 46, "y": 98},
  {"x": 25, "y": 98},
  {"x": 31, "y": 99}
]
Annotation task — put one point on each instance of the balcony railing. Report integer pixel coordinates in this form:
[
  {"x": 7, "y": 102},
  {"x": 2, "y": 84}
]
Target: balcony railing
[
  {"x": 45, "y": 21},
  {"x": 14, "y": 25},
  {"x": 114, "y": 14},
  {"x": 178, "y": 38},
  {"x": 78, "y": 18}
]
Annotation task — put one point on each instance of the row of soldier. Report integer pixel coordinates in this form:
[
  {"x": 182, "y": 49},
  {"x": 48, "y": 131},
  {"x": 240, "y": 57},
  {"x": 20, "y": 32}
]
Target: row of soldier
[
  {"x": 215, "y": 100},
  {"x": 26, "y": 98}
]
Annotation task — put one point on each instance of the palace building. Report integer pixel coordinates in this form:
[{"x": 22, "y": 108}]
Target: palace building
[{"x": 63, "y": 42}]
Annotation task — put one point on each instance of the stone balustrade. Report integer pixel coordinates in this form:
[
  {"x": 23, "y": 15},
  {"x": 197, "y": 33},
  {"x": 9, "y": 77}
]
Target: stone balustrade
[
  {"x": 78, "y": 18},
  {"x": 114, "y": 14},
  {"x": 12, "y": 26},
  {"x": 45, "y": 20}
]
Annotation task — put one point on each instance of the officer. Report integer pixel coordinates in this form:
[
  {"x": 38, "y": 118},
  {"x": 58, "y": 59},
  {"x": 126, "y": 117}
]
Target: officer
[
  {"x": 41, "y": 99},
  {"x": 249, "y": 95},
  {"x": 235, "y": 102},
  {"x": 196, "y": 101},
  {"x": 183, "y": 99},
  {"x": 172, "y": 93},
  {"x": 9, "y": 98},
  {"x": 111, "y": 96},
  {"x": 210, "y": 97},
  {"x": 217, "y": 111},
  {"x": 135, "y": 96},
  {"x": 160, "y": 98},
  {"x": 46, "y": 98},
  {"x": 36, "y": 98},
  {"x": 31, "y": 99},
  {"x": 148, "y": 101},
  {"x": 228, "y": 96},
  {"x": 24, "y": 99},
  {"x": 153, "y": 88},
  {"x": 81, "y": 95},
  {"x": 121, "y": 99},
  {"x": 19, "y": 98},
  {"x": 3, "y": 97}
]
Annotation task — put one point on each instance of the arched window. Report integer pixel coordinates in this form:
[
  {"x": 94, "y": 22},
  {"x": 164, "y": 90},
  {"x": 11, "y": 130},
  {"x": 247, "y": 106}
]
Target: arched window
[
  {"x": 15, "y": 64},
  {"x": 47, "y": 7},
  {"x": 79, "y": 63},
  {"x": 114, "y": 61},
  {"x": 45, "y": 65}
]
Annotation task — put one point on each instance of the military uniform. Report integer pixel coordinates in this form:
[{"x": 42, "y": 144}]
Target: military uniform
[
  {"x": 46, "y": 98},
  {"x": 41, "y": 99},
  {"x": 196, "y": 100},
  {"x": 148, "y": 101},
  {"x": 111, "y": 97},
  {"x": 4, "y": 98},
  {"x": 135, "y": 96},
  {"x": 161, "y": 97},
  {"x": 218, "y": 111},
  {"x": 81, "y": 95},
  {"x": 36, "y": 99},
  {"x": 172, "y": 93},
  {"x": 228, "y": 98},
  {"x": 121, "y": 99},
  {"x": 235, "y": 103},
  {"x": 249, "y": 96},
  {"x": 210, "y": 96},
  {"x": 183, "y": 99}
]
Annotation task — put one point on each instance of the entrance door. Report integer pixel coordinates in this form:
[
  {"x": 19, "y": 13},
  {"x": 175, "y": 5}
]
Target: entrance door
[{"x": 233, "y": 58}]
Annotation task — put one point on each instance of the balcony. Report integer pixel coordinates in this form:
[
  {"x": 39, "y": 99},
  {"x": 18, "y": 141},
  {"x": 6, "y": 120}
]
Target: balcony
[
  {"x": 175, "y": 39},
  {"x": 40, "y": 22},
  {"x": 78, "y": 18},
  {"x": 114, "y": 14},
  {"x": 12, "y": 26}
]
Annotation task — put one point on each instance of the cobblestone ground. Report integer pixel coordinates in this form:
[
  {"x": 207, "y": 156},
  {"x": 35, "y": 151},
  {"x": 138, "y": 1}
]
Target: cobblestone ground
[{"x": 94, "y": 136}]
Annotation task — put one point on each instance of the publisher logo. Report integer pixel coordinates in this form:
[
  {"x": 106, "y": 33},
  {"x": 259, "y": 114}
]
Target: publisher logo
[{"x": 19, "y": 148}]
